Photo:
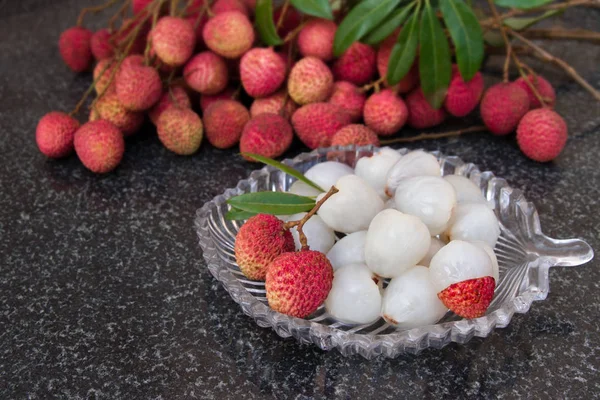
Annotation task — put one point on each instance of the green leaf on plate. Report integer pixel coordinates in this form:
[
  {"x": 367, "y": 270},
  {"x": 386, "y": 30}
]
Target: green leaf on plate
[
  {"x": 276, "y": 203},
  {"x": 466, "y": 35},
  {"x": 360, "y": 21},
  {"x": 284, "y": 168},
  {"x": 522, "y": 4},
  {"x": 435, "y": 67},
  {"x": 265, "y": 24},
  {"x": 404, "y": 51},
  {"x": 316, "y": 8},
  {"x": 520, "y": 23},
  {"x": 383, "y": 31},
  {"x": 238, "y": 215}
]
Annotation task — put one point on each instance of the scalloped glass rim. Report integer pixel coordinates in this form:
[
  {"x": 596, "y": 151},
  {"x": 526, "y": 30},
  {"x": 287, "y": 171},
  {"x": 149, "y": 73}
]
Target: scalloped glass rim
[{"x": 524, "y": 253}]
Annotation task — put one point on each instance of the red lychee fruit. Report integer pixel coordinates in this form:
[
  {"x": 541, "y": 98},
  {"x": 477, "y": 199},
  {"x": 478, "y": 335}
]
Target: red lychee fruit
[
  {"x": 315, "y": 124},
  {"x": 54, "y": 134},
  {"x": 542, "y": 134},
  {"x": 316, "y": 39},
  {"x": 99, "y": 145},
  {"x": 138, "y": 87},
  {"x": 463, "y": 97},
  {"x": 110, "y": 109},
  {"x": 224, "y": 121},
  {"x": 101, "y": 46},
  {"x": 298, "y": 283},
  {"x": 173, "y": 40},
  {"x": 229, "y": 34},
  {"x": 140, "y": 5},
  {"x": 176, "y": 96},
  {"x": 273, "y": 104},
  {"x": 101, "y": 78},
  {"x": 221, "y": 6},
  {"x": 350, "y": 98},
  {"x": 180, "y": 130},
  {"x": 356, "y": 134},
  {"x": 385, "y": 112},
  {"x": 543, "y": 87},
  {"x": 420, "y": 113},
  {"x": 310, "y": 81},
  {"x": 206, "y": 73},
  {"x": 410, "y": 80},
  {"x": 74, "y": 46},
  {"x": 470, "y": 298},
  {"x": 262, "y": 72},
  {"x": 356, "y": 65},
  {"x": 502, "y": 107},
  {"x": 227, "y": 94},
  {"x": 268, "y": 135}
]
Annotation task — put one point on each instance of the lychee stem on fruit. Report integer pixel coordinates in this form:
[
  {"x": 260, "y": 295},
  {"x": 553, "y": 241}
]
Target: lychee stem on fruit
[
  {"x": 119, "y": 14},
  {"x": 89, "y": 90},
  {"x": 292, "y": 35},
  {"x": 568, "y": 34},
  {"x": 94, "y": 9},
  {"x": 507, "y": 44},
  {"x": 534, "y": 90},
  {"x": 300, "y": 223},
  {"x": 173, "y": 7},
  {"x": 155, "y": 13},
  {"x": 429, "y": 136},
  {"x": 372, "y": 85},
  {"x": 284, "y": 11}
]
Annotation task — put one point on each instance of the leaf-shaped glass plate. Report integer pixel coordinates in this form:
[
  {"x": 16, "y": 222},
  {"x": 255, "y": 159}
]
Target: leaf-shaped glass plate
[{"x": 524, "y": 253}]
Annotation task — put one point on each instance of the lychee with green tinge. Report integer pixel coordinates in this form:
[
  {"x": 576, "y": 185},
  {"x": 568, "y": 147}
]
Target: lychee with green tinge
[
  {"x": 54, "y": 134},
  {"x": 180, "y": 130},
  {"x": 310, "y": 81},
  {"x": 224, "y": 122},
  {"x": 173, "y": 40},
  {"x": 99, "y": 145},
  {"x": 109, "y": 108},
  {"x": 229, "y": 34}
]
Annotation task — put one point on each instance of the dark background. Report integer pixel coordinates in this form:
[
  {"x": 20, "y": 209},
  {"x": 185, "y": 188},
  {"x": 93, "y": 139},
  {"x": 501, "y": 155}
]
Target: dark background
[{"x": 104, "y": 293}]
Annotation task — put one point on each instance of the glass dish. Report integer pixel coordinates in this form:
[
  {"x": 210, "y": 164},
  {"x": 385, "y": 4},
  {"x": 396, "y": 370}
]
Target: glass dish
[{"x": 524, "y": 253}]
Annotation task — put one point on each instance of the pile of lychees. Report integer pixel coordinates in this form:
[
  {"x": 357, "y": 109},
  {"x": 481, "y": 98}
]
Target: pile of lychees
[{"x": 199, "y": 70}]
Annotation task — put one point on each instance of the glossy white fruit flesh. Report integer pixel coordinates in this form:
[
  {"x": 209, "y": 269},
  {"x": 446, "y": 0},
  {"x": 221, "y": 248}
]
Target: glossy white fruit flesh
[
  {"x": 474, "y": 221},
  {"x": 415, "y": 163},
  {"x": 319, "y": 236},
  {"x": 466, "y": 190},
  {"x": 395, "y": 242},
  {"x": 349, "y": 250},
  {"x": 374, "y": 169},
  {"x": 435, "y": 246},
  {"x": 327, "y": 173},
  {"x": 302, "y": 189},
  {"x": 493, "y": 258}
]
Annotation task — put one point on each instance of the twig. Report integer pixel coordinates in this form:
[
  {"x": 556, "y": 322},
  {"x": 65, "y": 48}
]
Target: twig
[
  {"x": 372, "y": 85},
  {"x": 155, "y": 13},
  {"x": 94, "y": 10},
  {"x": 294, "y": 33},
  {"x": 507, "y": 44},
  {"x": 428, "y": 136},
  {"x": 122, "y": 11},
  {"x": 568, "y": 34},
  {"x": 528, "y": 82},
  {"x": 173, "y": 7},
  {"x": 89, "y": 90},
  {"x": 557, "y": 6},
  {"x": 284, "y": 11}
]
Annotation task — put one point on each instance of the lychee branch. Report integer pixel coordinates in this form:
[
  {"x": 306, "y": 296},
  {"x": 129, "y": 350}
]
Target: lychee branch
[
  {"x": 89, "y": 90},
  {"x": 431, "y": 136},
  {"x": 567, "y": 34},
  {"x": 119, "y": 14},
  {"x": 284, "y": 11},
  {"x": 532, "y": 87},
  {"x": 506, "y": 41},
  {"x": 95, "y": 9}
]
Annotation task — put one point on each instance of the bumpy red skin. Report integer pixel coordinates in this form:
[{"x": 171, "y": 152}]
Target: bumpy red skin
[
  {"x": 102, "y": 82},
  {"x": 543, "y": 87},
  {"x": 356, "y": 134},
  {"x": 316, "y": 39},
  {"x": 173, "y": 40},
  {"x": 357, "y": 65},
  {"x": 420, "y": 114},
  {"x": 315, "y": 124},
  {"x": 101, "y": 46},
  {"x": 109, "y": 108},
  {"x": 224, "y": 122},
  {"x": 410, "y": 81},
  {"x": 177, "y": 97},
  {"x": 273, "y": 105},
  {"x": 542, "y": 134},
  {"x": 350, "y": 98},
  {"x": 268, "y": 135},
  {"x": 206, "y": 73},
  {"x": 502, "y": 107},
  {"x": 470, "y": 298},
  {"x": 262, "y": 72},
  {"x": 138, "y": 87},
  {"x": 74, "y": 46},
  {"x": 207, "y": 99},
  {"x": 180, "y": 130},
  {"x": 298, "y": 283},
  {"x": 229, "y": 34},
  {"x": 100, "y": 146},
  {"x": 221, "y": 6},
  {"x": 54, "y": 134},
  {"x": 310, "y": 81},
  {"x": 259, "y": 241},
  {"x": 385, "y": 113},
  {"x": 463, "y": 97}
]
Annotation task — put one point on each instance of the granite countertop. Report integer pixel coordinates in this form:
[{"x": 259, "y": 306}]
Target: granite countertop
[{"x": 104, "y": 292}]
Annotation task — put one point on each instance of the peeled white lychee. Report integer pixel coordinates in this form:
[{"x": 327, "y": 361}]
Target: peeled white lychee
[
  {"x": 458, "y": 261},
  {"x": 327, "y": 173},
  {"x": 354, "y": 296},
  {"x": 302, "y": 189},
  {"x": 411, "y": 301},
  {"x": 389, "y": 204},
  {"x": 395, "y": 242},
  {"x": 435, "y": 246},
  {"x": 415, "y": 163},
  {"x": 430, "y": 198},
  {"x": 474, "y": 221},
  {"x": 319, "y": 236},
  {"x": 353, "y": 207},
  {"x": 466, "y": 190},
  {"x": 375, "y": 169},
  {"x": 348, "y": 250},
  {"x": 493, "y": 258}
]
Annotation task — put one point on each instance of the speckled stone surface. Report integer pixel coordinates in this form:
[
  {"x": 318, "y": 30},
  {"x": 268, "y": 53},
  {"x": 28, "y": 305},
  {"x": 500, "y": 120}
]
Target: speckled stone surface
[{"x": 104, "y": 293}]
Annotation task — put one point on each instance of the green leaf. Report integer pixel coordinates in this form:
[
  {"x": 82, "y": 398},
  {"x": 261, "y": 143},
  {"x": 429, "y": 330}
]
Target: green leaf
[
  {"x": 316, "y": 8},
  {"x": 238, "y": 215},
  {"x": 388, "y": 27},
  {"x": 522, "y": 4},
  {"x": 435, "y": 67},
  {"x": 521, "y": 23},
  {"x": 265, "y": 24},
  {"x": 404, "y": 51},
  {"x": 284, "y": 168},
  {"x": 360, "y": 21},
  {"x": 276, "y": 203},
  {"x": 466, "y": 35}
]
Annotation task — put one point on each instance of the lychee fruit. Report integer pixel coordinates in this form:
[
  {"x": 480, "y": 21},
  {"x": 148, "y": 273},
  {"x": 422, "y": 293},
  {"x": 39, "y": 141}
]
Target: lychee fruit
[
  {"x": 274, "y": 104},
  {"x": 356, "y": 134},
  {"x": 224, "y": 121},
  {"x": 357, "y": 65},
  {"x": 543, "y": 87},
  {"x": 180, "y": 130},
  {"x": 221, "y": 6},
  {"x": 470, "y": 298},
  {"x": 109, "y": 108},
  {"x": 54, "y": 134},
  {"x": 99, "y": 145},
  {"x": 310, "y": 81},
  {"x": 315, "y": 124},
  {"x": 229, "y": 34},
  {"x": 207, "y": 99},
  {"x": 298, "y": 283},
  {"x": 101, "y": 46},
  {"x": 350, "y": 98},
  {"x": 138, "y": 6},
  {"x": 74, "y": 46},
  {"x": 410, "y": 80},
  {"x": 138, "y": 87},
  {"x": 463, "y": 97},
  {"x": 173, "y": 40},
  {"x": 206, "y": 73},
  {"x": 121, "y": 38},
  {"x": 420, "y": 113},
  {"x": 316, "y": 39},
  {"x": 542, "y": 134},
  {"x": 385, "y": 112},
  {"x": 102, "y": 73},
  {"x": 176, "y": 96},
  {"x": 262, "y": 72},
  {"x": 502, "y": 107},
  {"x": 259, "y": 241},
  {"x": 268, "y": 135},
  {"x": 291, "y": 20}
]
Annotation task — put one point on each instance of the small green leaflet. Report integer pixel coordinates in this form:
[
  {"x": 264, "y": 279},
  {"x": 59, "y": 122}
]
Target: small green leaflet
[
  {"x": 238, "y": 215},
  {"x": 384, "y": 30},
  {"x": 276, "y": 203},
  {"x": 265, "y": 24},
  {"x": 522, "y": 4},
  {"x": 316, "y": 8},
  {"x": 284, "y": 168},
  {"x": 404, "y": 51},
  {"x": 521, "y": 23}
]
